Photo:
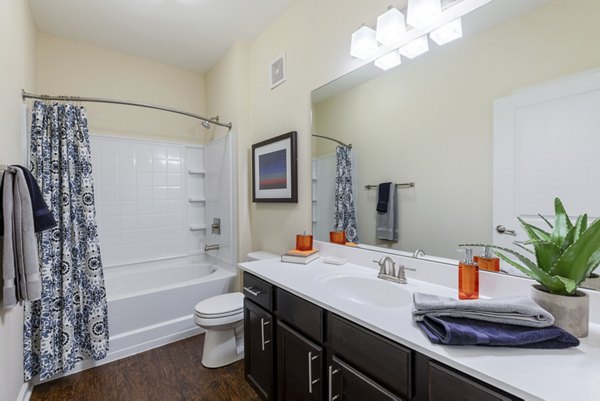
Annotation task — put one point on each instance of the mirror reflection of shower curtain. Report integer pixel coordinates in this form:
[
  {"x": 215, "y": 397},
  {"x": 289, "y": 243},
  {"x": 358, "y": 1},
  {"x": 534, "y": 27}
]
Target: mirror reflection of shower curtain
[
  {"x": 345, "y": 209},
  {"x": 69, "y": 324}
]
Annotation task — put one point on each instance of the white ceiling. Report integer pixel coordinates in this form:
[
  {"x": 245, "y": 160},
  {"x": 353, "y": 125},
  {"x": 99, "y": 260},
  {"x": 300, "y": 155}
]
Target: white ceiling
[{"x": 191, "y": 34}]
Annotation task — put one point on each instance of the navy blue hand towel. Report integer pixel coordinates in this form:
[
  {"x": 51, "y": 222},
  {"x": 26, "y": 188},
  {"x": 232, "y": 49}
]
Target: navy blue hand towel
[
  {"x": 42, "y": 217},
  {"x": 457, "y": 331},
  {"x": 383, "y": 196}
]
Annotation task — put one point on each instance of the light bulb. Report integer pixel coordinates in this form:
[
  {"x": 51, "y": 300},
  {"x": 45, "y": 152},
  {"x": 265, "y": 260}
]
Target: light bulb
[
  {"x": 447, "y": 33},
  {"x": 415, "y": 48},
  {"x": 388, "y": 61},
  {"x": 421, "y": 13},
  {"x": 364, "y": 44},
  {"x": 390, "y": 27}
]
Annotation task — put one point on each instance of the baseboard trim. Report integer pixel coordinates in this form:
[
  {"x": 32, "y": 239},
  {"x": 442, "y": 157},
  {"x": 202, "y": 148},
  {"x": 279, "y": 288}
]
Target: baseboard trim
[
  {"x": 25, "y": 393},
  {"x": 134, "y": 342}
]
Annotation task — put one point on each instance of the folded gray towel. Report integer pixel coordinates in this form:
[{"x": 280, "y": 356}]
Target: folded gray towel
[{"x": 518, "y": 311}]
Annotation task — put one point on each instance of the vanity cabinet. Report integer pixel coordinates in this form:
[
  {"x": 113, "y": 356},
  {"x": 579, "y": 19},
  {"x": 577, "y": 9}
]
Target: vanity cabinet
[
  {"x": 347, "y": 384},
  {"x": 259, "y": 336},
  {"x": 297, "y": 351}
]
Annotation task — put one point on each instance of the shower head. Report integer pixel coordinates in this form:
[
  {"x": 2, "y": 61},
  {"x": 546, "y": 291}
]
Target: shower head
[{"x": 206, "y": 124}]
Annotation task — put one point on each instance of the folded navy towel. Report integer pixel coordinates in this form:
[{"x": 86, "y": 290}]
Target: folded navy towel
[
  {"x": 383, "y": 196},
  {"x": 42, "y": 217},
  {"x": 457, "y": 331}
]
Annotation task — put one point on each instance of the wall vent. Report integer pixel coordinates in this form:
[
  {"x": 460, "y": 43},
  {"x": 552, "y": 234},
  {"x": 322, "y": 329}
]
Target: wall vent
[{"x": 278, "y": 71}]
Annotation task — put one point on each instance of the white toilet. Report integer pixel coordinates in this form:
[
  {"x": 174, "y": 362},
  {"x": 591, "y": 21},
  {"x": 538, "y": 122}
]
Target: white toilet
[{"x": 222, "y": 317}]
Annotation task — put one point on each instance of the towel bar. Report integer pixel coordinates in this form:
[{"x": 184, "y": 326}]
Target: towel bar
[{"x": 404, "y": 185}]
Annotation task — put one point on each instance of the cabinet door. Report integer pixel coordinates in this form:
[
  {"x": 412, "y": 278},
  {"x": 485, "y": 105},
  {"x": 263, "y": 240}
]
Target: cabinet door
[
  {"x": 299, "y": 366},
  {"x": 347, "y": 384},
  {"x": 258, "y": 348}
]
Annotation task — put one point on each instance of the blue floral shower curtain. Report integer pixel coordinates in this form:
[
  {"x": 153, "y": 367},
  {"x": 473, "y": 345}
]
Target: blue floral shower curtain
[
  {"x": 345, "y": 212},
  {"x": 69, "y": 323}
]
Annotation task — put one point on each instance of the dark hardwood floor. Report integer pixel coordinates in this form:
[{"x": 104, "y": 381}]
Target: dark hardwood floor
[{"x": 169, "y": 373}]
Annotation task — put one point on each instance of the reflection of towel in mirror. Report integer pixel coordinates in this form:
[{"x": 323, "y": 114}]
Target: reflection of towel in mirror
[
  {"x": 20, "y": 264},
  {"x": 387, "y": 223},
  {"x": 383, "y": 196}
]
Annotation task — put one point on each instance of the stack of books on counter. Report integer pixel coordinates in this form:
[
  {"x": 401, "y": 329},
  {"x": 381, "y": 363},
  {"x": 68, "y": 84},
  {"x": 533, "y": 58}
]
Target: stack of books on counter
[{"x": 301, "y": 257}]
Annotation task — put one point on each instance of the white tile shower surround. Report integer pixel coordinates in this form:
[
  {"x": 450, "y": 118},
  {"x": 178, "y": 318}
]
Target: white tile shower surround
[{"x": 142, "y": 197}]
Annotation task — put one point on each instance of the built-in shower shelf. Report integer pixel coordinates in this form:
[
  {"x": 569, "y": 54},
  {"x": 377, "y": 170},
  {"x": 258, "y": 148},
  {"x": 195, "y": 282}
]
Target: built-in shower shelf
[
  {"x": 195, "y": 200},
  {"x": 197, "y": 227},
  {"x": 196, "y": 171}
]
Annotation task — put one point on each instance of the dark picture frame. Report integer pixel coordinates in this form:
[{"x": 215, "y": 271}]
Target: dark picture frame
[{"x": 275, "y": 169}]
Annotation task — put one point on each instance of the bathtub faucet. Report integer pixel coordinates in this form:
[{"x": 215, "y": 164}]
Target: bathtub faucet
[{"x": 210, "y": 247}]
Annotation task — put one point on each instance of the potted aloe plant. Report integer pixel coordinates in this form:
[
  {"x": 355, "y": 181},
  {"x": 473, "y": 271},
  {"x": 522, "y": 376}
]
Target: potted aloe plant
[{"x": 559, "y": 259}]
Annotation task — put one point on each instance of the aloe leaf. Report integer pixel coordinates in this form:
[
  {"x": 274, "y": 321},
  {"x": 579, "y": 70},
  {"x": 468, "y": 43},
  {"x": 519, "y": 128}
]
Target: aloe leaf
[
  {"x": 562, "y": 223},
  {"x": 546, "y": 220},
  {"x": 523, "y": 247},
  {"x": 574, "y": 233},
  {"x": 553, "y": 284},
  {"x": 546, "y": 254},
  {"x": 534, "y": 232},
  {"x": 570, "y": 285},
  {"x": 579, "y": 259}
]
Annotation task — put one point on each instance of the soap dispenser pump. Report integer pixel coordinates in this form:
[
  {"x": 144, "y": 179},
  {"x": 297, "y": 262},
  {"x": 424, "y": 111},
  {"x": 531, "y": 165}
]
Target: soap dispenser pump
[
  {"x": 468, "y": 277},
  {"x": 488, "y": 261}
]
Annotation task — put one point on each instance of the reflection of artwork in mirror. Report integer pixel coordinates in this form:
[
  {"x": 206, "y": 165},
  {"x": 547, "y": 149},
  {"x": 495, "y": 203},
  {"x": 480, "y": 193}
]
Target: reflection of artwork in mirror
[
  {"x": 434, "y": 120},
  {"x": 274, "y": 164}
]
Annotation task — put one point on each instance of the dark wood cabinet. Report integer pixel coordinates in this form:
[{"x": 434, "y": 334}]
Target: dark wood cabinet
[
  {"x": 299, "y": 366},
  {"x": 258, "y": 349},
  {"x": 347, "y": 384},
  {"x": 288, "y": 338}
]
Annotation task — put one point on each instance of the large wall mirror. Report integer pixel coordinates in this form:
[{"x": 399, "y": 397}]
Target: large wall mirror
[{"x": 431, "y": 121}]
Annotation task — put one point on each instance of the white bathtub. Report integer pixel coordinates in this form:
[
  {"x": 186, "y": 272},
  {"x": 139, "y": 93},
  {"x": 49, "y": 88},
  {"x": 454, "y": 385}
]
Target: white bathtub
[{"x": 151, "y": 304}]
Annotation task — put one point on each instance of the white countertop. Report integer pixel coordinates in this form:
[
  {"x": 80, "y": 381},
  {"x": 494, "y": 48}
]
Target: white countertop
[{"x": 571, "y": 374}]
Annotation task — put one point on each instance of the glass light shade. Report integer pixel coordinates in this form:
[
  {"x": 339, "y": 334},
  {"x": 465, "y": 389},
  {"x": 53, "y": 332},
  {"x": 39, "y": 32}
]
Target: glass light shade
[
  {"x": 388, "y": 61},
  {"x": 447, "y": 33},
  {"x": 364, "y": 44},
  {"x": 415, "y": 48},
  {"x": 390, "y": 27},
  {"x": 422, "y": 13}
]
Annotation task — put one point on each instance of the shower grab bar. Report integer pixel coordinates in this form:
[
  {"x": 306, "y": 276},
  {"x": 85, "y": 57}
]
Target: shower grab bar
[{"x": 403, "y": 185}]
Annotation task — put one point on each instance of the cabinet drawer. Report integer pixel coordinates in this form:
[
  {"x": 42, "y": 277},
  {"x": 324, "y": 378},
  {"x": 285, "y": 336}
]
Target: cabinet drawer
[
  {"x": 372, "y": 354},
  {"x": 302, "y": 315},
  {"x": 447, "y": 385},
  {"x": 259, "y": 291}
]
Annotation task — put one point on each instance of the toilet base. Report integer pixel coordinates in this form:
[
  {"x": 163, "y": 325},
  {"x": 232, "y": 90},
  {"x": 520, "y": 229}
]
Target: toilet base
[{"x": 221, "y": 347}]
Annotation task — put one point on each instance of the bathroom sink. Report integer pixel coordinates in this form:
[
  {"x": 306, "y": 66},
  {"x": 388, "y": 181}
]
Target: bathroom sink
[{"x": 367, "y": 291}]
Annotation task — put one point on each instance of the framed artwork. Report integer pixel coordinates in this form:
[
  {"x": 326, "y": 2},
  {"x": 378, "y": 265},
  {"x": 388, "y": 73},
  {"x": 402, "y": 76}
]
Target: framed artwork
[{"x": 275, "y": 169}]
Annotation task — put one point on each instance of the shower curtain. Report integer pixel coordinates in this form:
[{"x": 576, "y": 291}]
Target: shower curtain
[
  {"x": 69, "y": 323},
  {"x": 345, "y": 212}
]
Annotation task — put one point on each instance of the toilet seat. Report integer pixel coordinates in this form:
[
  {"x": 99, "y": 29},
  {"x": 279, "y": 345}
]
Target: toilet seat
[{"x": 220, "y": 310}]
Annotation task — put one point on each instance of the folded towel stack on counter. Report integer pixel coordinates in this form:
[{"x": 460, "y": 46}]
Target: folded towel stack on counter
[{"x": 507, "y": 322}]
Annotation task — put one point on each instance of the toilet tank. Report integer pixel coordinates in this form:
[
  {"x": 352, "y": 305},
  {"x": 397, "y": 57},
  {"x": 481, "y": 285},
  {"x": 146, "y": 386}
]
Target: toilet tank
[{"x": 260, "y": 255}]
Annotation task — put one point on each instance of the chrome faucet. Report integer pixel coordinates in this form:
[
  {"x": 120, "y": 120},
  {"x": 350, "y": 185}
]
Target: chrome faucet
[
  {"x": 419, "y": 253},
  {"x": 388, "y": 271},
  {"x": 210, "y": 247}
]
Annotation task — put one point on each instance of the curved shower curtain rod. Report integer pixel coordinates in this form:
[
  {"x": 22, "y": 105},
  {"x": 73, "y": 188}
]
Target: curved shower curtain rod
[
  {"x": 334, "y": 140},
  {"x": 214, "y": 121}
]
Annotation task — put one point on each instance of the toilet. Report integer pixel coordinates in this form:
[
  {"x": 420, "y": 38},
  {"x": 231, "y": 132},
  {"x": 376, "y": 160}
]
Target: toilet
[{"x": 222, "y": 317}]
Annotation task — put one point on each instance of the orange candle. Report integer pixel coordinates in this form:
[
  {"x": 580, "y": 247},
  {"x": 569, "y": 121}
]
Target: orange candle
[
  {"x": 337, "y": 237},
  {"x": 304, "y": 242}
]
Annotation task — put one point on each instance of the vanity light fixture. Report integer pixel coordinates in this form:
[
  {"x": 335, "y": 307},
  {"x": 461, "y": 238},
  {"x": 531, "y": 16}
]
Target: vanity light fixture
[
  {"x": 364, "y": 43},
  {"x": 390, "y": 27},
  {"x": 390, "y": 60},
  {"x": 447, "y": 33},
  {"x": 415, "y": 48},
  {"x": 421, "y": 13}
]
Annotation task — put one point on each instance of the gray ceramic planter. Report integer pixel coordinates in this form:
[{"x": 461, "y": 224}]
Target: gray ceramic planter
[{"x": 571, "y": 313}]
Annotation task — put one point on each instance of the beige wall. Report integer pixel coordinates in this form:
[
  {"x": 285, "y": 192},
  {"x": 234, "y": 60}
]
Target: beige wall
[
  {"x": 17, "y": 52},
  {"x": 430, "y": 121},
  {"x": 68, "y": 67}
]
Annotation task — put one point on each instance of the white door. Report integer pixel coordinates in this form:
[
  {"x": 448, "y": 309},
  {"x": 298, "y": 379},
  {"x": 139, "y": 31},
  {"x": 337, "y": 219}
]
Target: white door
[{"x": 546, "y": 145}]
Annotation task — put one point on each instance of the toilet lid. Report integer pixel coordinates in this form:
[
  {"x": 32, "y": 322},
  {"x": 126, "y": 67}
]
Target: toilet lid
[{"x": 225, "y": 304}]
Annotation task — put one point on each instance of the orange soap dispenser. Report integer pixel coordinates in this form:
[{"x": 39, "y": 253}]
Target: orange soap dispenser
[
  {"x": 468, "y": 277},
  {"x": 488, "y": 261}
]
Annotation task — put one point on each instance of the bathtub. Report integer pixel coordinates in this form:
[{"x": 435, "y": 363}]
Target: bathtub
[{"x": 152, "y": 304}]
